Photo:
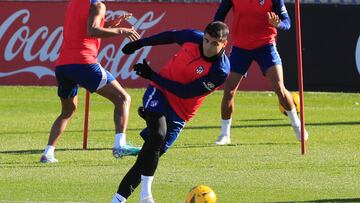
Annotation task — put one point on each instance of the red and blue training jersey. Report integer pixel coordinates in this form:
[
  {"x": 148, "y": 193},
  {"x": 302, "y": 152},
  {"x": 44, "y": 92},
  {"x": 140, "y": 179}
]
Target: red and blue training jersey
[
  {"x": 77, "y": 47},
  {"x": 189, "y": 76},
  {"x": 250, "y": 26}
]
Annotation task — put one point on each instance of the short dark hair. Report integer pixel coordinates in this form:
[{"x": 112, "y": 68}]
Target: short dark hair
[{"x": 217, "y": 29}]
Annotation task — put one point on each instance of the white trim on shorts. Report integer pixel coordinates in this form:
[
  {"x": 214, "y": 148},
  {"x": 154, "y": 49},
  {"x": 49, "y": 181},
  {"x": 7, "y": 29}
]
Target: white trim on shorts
[
  {"x": 150, "y": 97},
  {"x": 103, "y": 80}
]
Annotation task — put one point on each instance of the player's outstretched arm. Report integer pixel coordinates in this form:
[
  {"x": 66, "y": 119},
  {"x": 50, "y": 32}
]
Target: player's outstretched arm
[
  {"x": 97, "y": 13},
  {"x": 167, "y": 37},
  {"x": 198, "y": 87}
]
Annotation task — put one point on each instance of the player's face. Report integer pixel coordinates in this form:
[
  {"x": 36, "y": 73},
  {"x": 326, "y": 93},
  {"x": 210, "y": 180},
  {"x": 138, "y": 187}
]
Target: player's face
[{"x": 212, "y": 46}]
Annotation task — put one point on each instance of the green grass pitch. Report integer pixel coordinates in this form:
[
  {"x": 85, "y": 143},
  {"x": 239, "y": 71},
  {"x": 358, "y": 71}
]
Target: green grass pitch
[{"x": 263, "y": 163}]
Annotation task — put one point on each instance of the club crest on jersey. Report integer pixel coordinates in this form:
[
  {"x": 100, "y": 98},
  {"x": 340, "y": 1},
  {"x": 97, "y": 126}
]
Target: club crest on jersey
[
  {"x": 154, "y": 103},
  {"x": 199, "y": 70},
  {"x": 261, "y": 2}
]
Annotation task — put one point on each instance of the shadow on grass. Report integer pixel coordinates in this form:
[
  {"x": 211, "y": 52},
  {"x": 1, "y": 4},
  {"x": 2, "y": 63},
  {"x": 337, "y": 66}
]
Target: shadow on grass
[
  {"x": 39, "y": 151},
  {"x": 261, "y": 119},
  {"x": 277, "y": 125},
  {"x": 229, "y": 145},
  {"x": 326, "y": 200},
  {"x": 66, "y": 131},
  {"x": 35, "y": 163},
  {"x": 194, "y": 127}
]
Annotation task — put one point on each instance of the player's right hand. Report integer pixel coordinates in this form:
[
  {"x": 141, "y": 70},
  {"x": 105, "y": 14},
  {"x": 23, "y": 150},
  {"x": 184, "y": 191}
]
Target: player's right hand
[
  {"x": 130, "y": 33},
  {"x": 131, "y": 47},
  {"x": 273, "y": 19}
]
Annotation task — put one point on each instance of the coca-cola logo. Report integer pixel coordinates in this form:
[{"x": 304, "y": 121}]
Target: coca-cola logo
[
  {"x": 111, "y": 56},
  {"x": 21, "y": 45}
]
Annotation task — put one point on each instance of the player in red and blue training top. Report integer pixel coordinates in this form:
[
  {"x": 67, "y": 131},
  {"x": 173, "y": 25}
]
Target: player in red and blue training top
[
  {"x": 254, "y": 30},
  {"x": 173, "y": 96},
  {"x": 77, "y": 65}
]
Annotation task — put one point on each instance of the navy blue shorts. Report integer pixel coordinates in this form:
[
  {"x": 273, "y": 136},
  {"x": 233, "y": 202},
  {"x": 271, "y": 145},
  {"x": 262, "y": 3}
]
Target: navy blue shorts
[
  {"x": 266, "y": 56},
  {"x": 90, "y": 76},
  {"x": 155, "y": 101}
]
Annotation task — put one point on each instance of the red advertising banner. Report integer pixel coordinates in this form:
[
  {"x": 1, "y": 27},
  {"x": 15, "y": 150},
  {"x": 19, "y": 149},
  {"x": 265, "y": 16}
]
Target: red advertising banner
[{"x": 31, "y": 36}]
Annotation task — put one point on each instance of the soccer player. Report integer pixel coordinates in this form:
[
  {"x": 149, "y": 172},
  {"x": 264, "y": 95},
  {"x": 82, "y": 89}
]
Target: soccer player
[
  {"x": 173, "y": 96},
  {"x": 254, "y": 32},
  {"x": 77, "y": 65}
]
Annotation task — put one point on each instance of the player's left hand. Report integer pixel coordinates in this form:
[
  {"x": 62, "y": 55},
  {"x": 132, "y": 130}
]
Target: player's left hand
[
  {"x": 131, "y": 47},
  {"x": 116, "y": 22},
  {"x": 143, "y": 70},
  {"x": 273, "y": 19}
]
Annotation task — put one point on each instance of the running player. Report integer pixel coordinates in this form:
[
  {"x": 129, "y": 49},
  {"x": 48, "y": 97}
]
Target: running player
[
  {"x": 254, "y": 31},
  {"x": 174, "y": 95},
  {"x": 77, "y": 65}
]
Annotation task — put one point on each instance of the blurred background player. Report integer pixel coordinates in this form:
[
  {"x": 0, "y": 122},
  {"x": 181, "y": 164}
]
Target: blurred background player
[
  {"x": 173, "y": 96},
  {"x": 254, "y": 31},
  {"x": 77, "y": 65}
]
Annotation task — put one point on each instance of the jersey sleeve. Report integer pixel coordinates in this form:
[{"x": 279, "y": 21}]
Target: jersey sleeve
[
  {"x": 174, "y": 36},
  {"x": 223, "y": 10},
  {"x": 201, "y": 86},
  {"x": 280, "y": 10}
]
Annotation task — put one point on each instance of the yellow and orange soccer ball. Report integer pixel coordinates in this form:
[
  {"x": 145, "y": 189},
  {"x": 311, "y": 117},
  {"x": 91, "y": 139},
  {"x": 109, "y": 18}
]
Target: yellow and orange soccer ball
[
  {"x": 296, "y": 99},
  {"x": 201, "y": 194}
]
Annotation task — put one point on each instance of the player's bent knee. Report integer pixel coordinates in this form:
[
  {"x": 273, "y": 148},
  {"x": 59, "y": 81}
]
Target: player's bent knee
[
  {"x": 68, "y": 112},
  {"x": 122, "y": 100},
  {"x": 158, "y": 138},
  {"x": 127, "y": 99},
  {"x": 154, "y": 144}
]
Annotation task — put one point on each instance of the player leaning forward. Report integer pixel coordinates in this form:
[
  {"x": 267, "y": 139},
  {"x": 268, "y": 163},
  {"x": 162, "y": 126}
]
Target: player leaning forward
[
  {"x": 254, "y": 31},
  {"x": 77, "y": 65},
  {"x": 173, "y": 96}
]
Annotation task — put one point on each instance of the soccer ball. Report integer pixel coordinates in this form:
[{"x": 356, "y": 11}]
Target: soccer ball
[
  {"x": 296, "y": 99},
  {"x": 201, "y": 194}
]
